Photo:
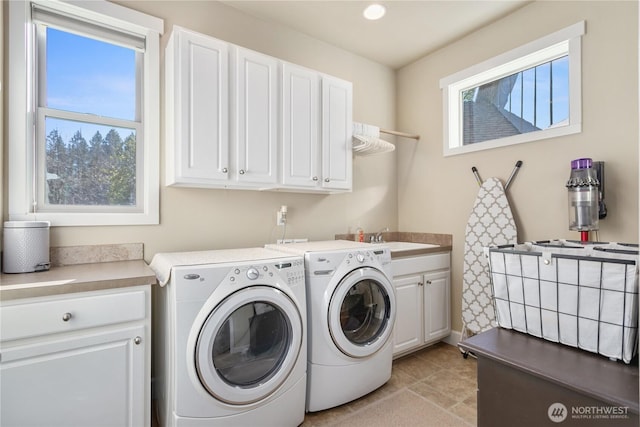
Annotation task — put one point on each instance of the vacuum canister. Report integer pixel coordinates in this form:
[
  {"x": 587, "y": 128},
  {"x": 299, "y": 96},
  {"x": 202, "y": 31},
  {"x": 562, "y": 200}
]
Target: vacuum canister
[
  {"x": 583, "y": 196},
  {"x": 26, "y": 246}
]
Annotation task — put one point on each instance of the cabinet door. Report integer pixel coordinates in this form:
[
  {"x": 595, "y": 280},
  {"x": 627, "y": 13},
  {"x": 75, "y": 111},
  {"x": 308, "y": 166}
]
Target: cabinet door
[
  {"x": 437, "y": 301},
  {"x": 81, "y": 380},
  {"x": 256, "y": 117},
  {"x": 336, "y": 133},
  {"x": 197, "y": 70},
  {"x": 407, "y": 332},
  {"x": 300, "y": 108}
]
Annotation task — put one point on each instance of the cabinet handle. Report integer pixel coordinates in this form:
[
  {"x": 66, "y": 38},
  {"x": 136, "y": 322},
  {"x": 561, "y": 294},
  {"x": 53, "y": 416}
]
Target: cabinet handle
[
  {"x": 241, "y": 171},
  {"x": 66, "y": 317},
  {"x": 428, "y": 282},
  {"x": 137, "y": 340},
  {"x": 315, "y": 178},
  {"x": 420, "y": 284},
  {"x": 326, "y": 180},
  {"x": 225, "y": 170}
]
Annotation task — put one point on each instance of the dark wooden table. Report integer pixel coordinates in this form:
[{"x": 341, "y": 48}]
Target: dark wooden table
[{"x": 528, "y": 381}]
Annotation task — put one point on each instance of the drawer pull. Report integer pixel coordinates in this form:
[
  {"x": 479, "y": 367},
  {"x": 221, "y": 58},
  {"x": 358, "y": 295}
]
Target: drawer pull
[
  {"x": 137, "y": 340},
  {"x": 428, "y": 282},
  {"x": 66, "y": 317}
]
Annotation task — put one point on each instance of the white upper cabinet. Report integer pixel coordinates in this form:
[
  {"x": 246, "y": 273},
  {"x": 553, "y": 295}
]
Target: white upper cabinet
[
  {"x": 256, "y": 117},
  {"x": 336, "y": 133},
  {"x": 300, "y": 132},
  {"x": 197, "y": 109},
  {"x": 240, "y": 119}
]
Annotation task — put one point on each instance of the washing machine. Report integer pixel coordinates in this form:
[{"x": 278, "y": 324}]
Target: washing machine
[
  {"x": 230, "y": 341},
  {"x": 351, "y": 311}
]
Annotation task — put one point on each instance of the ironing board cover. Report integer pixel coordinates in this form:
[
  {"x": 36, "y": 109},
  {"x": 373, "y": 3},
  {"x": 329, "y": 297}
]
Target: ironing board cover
[{"x": 490, "y": 223}]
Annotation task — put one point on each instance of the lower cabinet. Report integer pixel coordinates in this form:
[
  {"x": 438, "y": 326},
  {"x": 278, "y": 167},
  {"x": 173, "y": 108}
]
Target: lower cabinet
[
  {"x": 422, "y": 285},
  {"x": 76, "y": 360}
]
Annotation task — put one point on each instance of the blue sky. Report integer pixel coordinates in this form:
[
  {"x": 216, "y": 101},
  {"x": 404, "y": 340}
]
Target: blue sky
[
  {"x": 88, "y": 76},
  {"x": 540, "y": 81}
]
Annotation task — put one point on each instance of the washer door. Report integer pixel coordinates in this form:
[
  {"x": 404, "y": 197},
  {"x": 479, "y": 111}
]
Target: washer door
[
  {"x": 361, "y": 312},
  {"x": 248, "y": 345}
]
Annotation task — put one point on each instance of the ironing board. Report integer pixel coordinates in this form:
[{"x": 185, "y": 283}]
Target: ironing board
[{"x": 490, "y": 223}]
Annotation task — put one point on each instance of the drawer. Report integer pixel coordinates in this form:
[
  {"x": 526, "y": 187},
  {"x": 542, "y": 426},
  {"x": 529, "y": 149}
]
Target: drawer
[
  {"x": 30, "y": 319},
  {"x": 420, "y": 264}
]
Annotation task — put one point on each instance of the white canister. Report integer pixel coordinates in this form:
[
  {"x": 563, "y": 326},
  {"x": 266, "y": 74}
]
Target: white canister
[{"x": 26, "y": 246}]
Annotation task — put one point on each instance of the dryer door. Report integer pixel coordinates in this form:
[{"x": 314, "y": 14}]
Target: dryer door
[
  {"x": 362, "y": 312},
  {"x": 248, "y": 345}
]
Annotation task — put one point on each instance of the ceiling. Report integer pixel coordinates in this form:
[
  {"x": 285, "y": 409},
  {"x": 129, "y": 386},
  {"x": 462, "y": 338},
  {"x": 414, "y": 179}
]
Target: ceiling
[{"x": 409, "y": 30}]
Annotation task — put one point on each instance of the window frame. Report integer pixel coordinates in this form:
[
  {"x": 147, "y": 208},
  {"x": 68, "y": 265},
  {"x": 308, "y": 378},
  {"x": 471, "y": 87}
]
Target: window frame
[
  {"x": 24, "y": 150},
  {"x": 567, "y": 41}
]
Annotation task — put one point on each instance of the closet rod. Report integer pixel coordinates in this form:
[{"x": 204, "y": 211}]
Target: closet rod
[{"x": 405, "y": 135}]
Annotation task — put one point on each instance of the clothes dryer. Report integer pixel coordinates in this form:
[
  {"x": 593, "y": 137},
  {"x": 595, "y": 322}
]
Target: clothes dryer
[
  {"x": 351, "y": 312},
  {"x": 230, "y": 338}
]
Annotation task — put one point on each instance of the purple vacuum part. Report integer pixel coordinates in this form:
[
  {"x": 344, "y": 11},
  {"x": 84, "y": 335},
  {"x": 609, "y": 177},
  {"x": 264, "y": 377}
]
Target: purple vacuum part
[{"x": 581, "y": 163}]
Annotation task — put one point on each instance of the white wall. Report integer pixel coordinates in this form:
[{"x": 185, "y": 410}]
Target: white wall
[
  {"x": 193, "y": 219},
  {"x": 437, "y": 193}
]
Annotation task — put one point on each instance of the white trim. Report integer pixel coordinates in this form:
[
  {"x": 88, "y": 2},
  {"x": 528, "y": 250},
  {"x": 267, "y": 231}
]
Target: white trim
[
  {"x": 573, "y": 31},
  {"x": 85, "y": 27},
  {"x": 521, "y": 63},
  {"x": 552, "y": 46},
  {"x": 21, "y": 115},
  {"x": 453, "y": 338},
  {"x": 107, "y": 13}
]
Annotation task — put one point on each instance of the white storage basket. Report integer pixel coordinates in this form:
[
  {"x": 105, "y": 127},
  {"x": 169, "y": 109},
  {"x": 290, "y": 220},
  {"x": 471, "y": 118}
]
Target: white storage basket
[{"x": 584, "y": 296}]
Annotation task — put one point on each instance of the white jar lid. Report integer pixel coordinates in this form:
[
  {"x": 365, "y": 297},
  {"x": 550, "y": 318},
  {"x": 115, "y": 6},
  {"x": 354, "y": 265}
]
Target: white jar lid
[{"x": 27, "y": 224}]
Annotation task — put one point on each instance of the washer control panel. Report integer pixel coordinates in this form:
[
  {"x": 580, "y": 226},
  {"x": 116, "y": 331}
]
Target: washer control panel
[
  {"x": 291, "y": 270},
  {"x": 252, "y": 273}
]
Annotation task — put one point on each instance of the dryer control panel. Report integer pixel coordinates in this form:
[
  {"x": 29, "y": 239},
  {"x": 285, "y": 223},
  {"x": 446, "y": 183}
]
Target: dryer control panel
[{"x": 327, "y": 263}]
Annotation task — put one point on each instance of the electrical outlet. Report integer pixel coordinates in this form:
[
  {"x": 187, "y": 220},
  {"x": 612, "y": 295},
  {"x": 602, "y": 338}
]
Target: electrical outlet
[{"x": 281, "y": 215}]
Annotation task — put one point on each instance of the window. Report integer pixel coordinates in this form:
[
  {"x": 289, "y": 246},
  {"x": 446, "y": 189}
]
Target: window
[
  {"x": 530, "y": 93},
  {"x": 84, "y": 115}
]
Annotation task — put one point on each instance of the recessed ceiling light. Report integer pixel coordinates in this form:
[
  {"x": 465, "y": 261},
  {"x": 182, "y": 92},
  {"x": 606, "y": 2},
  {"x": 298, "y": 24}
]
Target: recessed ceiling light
[{"x": 374, "y": 11}]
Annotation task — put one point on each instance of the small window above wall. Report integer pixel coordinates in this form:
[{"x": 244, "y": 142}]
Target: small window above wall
[{"x": 530, "y": 93}]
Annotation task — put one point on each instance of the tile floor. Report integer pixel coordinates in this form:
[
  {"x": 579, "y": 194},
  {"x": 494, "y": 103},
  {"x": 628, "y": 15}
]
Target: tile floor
[{"x": 435, "y": 386}]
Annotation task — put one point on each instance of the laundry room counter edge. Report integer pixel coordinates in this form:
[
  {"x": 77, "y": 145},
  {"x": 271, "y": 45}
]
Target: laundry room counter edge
[{"x": 76, "y": 278}]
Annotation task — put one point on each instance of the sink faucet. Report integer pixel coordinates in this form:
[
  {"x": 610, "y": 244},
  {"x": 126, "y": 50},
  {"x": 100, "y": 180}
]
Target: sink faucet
[{"x": 378, "y": 237}]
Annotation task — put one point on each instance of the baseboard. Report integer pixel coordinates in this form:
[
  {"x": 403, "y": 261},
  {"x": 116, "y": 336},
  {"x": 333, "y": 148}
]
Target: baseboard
[{"x": 453, "y": 338}]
